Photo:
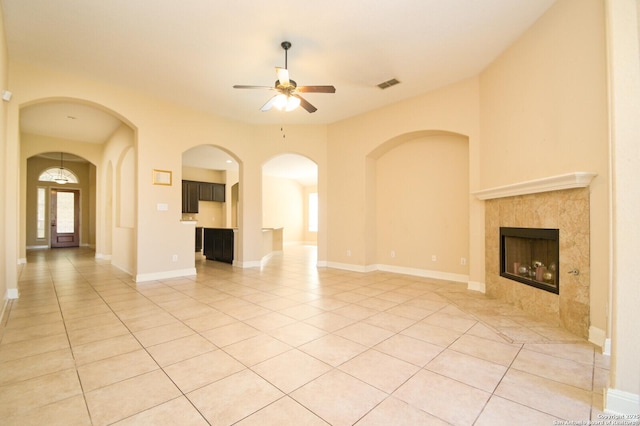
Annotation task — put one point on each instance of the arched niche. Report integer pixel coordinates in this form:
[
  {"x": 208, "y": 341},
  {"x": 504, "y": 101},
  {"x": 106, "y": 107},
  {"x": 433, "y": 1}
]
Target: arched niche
[{"x": 417, "y": 215}]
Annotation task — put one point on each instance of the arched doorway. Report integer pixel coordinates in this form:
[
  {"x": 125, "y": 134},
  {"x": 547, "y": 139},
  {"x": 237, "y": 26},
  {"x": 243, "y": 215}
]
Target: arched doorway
[
  {"x": 91, "y": 138},
  {"x": 57, "y": 205},
  {"x": 289, "y": 198}
]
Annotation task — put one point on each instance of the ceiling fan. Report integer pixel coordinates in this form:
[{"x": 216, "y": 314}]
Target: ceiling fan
[{"x": 288, "y": 97}]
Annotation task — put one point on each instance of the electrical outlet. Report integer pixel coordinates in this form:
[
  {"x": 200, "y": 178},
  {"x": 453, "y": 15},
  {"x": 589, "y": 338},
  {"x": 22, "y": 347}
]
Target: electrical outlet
[
  {"x": 174, "y": 258},
  {"x": 463, "y": 261},
  {"x": 434, "y": 258},
  {"x": 393, "y": 253}
]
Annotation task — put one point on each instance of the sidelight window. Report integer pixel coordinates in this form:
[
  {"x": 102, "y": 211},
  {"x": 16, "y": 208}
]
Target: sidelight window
[{"x": 313, "y": 212}]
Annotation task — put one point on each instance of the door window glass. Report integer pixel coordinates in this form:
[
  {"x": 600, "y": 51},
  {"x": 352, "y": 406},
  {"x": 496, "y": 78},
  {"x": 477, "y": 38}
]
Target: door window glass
[{"x": 65, "y": 212}]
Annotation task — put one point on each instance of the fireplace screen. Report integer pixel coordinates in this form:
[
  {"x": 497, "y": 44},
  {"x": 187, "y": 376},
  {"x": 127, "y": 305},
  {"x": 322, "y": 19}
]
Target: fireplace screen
[{"x": 531, "y": 256}]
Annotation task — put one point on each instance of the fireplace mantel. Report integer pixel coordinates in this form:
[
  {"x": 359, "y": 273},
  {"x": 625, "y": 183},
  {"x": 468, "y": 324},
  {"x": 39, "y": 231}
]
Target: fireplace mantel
[{"x": 552, "y": 183}]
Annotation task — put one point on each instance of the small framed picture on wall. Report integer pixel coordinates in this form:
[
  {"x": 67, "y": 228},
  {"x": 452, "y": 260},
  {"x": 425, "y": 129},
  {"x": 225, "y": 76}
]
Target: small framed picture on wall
[{"x": 162, "y": 177}]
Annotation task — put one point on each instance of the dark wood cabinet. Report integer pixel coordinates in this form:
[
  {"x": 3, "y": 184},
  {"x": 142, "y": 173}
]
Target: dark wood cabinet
[
  {"x": 218, "y": 244},
  {"x": 190, "y": 196},
  {"x": 206, "y": 191},
  {"x": 194, "y": 191},
  {"x": 218, "y": 192},
  {"x": 198, "y": 238},
  {"x": 211, "y": 191}
]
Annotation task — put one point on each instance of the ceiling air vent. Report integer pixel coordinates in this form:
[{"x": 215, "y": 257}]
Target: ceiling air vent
[{"x": 388, "y": 83}]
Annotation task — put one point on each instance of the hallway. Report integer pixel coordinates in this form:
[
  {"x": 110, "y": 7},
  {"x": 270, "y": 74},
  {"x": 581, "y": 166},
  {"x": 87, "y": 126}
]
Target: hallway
[{"x": 289, "y": 343}]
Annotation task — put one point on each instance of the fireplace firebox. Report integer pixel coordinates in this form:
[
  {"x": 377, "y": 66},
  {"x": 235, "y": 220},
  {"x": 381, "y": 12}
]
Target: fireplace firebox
[{"x": 531, "y": 256}]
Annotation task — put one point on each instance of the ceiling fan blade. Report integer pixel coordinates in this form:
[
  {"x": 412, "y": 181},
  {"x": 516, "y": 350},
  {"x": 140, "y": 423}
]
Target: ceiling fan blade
[
  {"x": 269, "y": 104},
  {"x": 305, "y": 104},
  {"x": 316, "y": 89},
  {"x": 283, "y": 76},
  {"x": 242, "y": 86}
]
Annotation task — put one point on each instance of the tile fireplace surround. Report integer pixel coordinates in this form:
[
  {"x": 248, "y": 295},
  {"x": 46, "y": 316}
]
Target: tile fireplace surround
[{"x": 563, "y": 209}]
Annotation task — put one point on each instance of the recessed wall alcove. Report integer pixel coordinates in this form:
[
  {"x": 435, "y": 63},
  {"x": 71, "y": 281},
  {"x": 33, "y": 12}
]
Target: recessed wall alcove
[{"x": 560, "y": 203}]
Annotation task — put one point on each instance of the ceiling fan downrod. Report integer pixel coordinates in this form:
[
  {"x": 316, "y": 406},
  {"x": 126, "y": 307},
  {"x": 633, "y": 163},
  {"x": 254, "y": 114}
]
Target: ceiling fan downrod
[{"x": 285, "y": 45}]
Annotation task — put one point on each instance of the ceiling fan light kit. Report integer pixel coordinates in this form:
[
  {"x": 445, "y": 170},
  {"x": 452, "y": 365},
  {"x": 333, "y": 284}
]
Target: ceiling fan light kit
[
  {"x": 287, "y": 103},
  {"x": 288, "y": 98}
]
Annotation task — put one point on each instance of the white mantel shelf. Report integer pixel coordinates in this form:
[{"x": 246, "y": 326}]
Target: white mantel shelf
[{"x": 552, "y": 183}]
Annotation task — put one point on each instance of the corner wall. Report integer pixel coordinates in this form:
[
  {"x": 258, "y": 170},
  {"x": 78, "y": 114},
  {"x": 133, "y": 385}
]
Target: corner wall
[
  {"x": 544, "y": 113},
  {"x": 3, "y": 144},
  {"x": 623, "y": 28}
]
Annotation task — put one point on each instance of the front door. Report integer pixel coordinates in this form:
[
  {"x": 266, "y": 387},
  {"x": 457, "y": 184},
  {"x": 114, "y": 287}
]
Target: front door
[{"x": 65, "y": 218}]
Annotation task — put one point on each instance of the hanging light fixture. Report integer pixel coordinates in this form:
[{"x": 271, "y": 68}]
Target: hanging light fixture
[
  {"x": 61, "y": 178},
  {"x": 285, "y": 102}
]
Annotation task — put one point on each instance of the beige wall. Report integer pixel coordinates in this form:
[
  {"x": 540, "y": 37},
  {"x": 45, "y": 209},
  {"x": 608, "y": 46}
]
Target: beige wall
[
  {"x": 157, "y": 126},
  {"x": 6, "y": 261},
  {"x": 354, "y": 146},
  {"x": 116, "y": 195},
  {"x": 422, "y": 204},
  {"x": 543, "y": 112},
  {"x": 283, "y": 205},
  {"x": 203, "y": 175},
  {"x": 624, "y": 77},
  {"x": 35, "y": 166}
]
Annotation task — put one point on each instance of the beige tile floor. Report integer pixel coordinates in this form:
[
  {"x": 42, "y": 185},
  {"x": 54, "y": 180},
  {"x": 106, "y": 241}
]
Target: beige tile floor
[{"x": 288, "y": 344}]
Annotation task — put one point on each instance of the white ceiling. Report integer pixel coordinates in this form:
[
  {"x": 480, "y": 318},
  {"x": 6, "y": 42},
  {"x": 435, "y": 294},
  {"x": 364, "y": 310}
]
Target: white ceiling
[{"x": 193, "y": 52}]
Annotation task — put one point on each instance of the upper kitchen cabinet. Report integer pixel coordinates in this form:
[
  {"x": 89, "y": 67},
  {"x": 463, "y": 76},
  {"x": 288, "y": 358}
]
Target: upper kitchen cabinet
[
  {"x": 190, "y": 196},
  {"x": 212, "y": 191},
  {"x": 193, "y": 191}
]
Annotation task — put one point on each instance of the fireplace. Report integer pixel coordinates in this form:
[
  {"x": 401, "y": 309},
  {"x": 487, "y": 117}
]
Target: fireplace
[
  {"x": 564, "y": 207},
  {"x": 531, "y": 256}
]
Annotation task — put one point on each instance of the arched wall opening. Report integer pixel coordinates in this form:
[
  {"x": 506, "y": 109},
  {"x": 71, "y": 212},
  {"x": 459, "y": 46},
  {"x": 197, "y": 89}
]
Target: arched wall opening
[
  {"x": 108, "y": 143},
  {"x": 212, "y": 163},
  {"x": 289, "y": 187},
  {"x": 417, "y": 192},
  {"x": 38, "y": 194}
]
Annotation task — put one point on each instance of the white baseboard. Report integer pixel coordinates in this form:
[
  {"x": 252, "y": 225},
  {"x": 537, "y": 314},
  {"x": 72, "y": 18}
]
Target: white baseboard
[
  {"x": 598, "y": 337},
  {"x": 5, "y": 303},
  {"x": 621, "y": 402},
  {"x": 22, "y": 261},
  {"x": 346, "y": 267},
  {"x": 12, "y": 293},
  {"x": 102, "y": 256},
  {"x": 426, "y": 273},
  {"x": 266, "y": 257},
  {"x": 154, "y": 276},
  {"x": 248, "y": 264},
  {"x": 477, "y": 286}
]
